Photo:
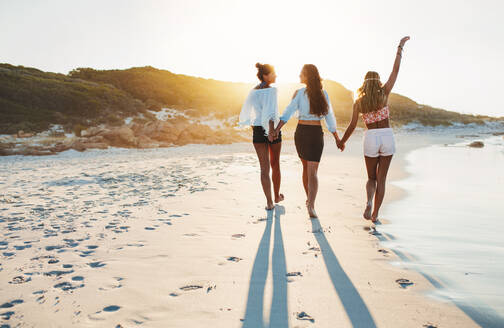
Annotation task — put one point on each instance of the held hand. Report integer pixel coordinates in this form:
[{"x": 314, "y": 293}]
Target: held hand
[
  {"x": 271, "y": 136},
  {"x": 340, "y": 145}
]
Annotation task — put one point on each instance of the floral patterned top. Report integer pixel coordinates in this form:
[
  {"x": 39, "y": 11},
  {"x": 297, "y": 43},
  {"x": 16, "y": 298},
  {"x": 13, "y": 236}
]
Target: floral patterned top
[{"x": 376, "y": 116}]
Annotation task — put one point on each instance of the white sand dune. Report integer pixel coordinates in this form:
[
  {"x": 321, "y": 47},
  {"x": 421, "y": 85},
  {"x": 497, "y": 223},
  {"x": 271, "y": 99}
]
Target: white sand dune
[{"x": 180, "y": 238}]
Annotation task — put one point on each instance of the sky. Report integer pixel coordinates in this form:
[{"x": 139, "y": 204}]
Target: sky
[{"x": 453, "y": 60}]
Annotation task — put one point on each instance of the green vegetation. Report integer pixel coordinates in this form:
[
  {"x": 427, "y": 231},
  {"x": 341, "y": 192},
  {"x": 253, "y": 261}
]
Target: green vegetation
[
  {"x": 160, "y": 87},
  {"x": 31, "y": 100}
]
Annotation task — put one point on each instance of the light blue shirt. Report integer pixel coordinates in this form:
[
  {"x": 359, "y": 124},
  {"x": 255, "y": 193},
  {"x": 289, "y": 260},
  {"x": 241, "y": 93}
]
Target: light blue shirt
[
  {"x": 260, "y": 107},
  {"x": 301, "y": 103}
]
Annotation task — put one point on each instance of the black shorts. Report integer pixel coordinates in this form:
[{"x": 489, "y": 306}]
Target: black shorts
[
  {"x": 309, "y": 141},
  {"x": 259, "y": 137}
]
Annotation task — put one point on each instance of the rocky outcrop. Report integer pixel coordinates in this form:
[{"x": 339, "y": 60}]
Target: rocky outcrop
[
  {"x": 22, "y": 134},
  {"x": 121, "y": 136},
  {"x": 477, "y": 144},
  {"x": 153, "y": 134}
]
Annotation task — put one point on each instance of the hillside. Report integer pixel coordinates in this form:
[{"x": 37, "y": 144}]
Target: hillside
[{"x": 31, "y": 99}]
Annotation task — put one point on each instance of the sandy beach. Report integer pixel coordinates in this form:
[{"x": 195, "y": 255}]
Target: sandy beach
[{"x": 179, "y": 238}]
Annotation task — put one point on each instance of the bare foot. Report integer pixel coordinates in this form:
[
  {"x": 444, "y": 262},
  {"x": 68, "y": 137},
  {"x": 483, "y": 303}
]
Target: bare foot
[
  {"x": 311, "y": 212},
  {"x": 374, "y": 217},
  {"x": 279, "y": 198},
  {"x": 269, "y": 207},
  {"x": 367, "y": 211}
]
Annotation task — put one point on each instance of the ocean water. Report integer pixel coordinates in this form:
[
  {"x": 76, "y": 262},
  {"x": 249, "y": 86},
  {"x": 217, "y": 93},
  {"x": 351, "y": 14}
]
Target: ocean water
[{"x": 450, "y": 225}]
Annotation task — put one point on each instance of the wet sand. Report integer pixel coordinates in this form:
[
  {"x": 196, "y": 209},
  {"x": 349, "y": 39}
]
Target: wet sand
[{"x": 180, "y": 238}]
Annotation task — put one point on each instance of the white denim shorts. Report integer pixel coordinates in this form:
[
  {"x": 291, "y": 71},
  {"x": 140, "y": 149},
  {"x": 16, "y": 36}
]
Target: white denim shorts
[{"x": 379, "y": 142}]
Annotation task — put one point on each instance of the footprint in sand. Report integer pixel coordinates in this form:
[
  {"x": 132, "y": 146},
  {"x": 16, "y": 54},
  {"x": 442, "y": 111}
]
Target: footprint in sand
[
  {"x": 404, "y": 283},
  {"x": 65, "y": 286},
  {"x": 304, "y": 316},
  {"x": 19, "y": 280},
  {"x": 11, "y": 304},
  {"x": 190, "y": 287},
  {"x": 293, "y": 274},
  {"x": 98, "y": 264},
  {"x": 6, "y": 315},
  {"x": 57, "y": 273},
  {"x": 111, "y": 308}
]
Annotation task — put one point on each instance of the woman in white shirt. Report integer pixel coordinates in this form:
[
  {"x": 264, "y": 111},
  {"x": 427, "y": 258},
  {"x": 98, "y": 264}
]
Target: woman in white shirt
[
  {"x": 313, "y": 105},
  {"x": 260, "y": 110}
]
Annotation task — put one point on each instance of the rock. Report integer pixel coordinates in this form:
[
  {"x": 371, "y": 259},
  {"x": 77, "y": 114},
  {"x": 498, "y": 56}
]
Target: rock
[
  {"x": 95, "y": 139},
  {"x": 33, "y": 151},
  {"x": 78, "y": 145},
  {"x": 163, "y": 131},
  {"x": 477, "y": 144},
  {"x": 120, "y": 137},
  {"x": 22, "y": 134},
  {"x": 92, "y": 131},
  {"x": 59, "y": 147},
  {"x": 96, "y": 145},
  {"x": 146, "y": 142},
  {"x": 164, "y": 144}
]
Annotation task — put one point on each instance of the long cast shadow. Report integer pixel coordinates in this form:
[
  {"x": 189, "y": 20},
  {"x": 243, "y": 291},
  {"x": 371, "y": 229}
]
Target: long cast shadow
[
  {"x": 255, "y": 300},
  {"x": 353, "y": 303},
  {"x": 279, "y": 311}
]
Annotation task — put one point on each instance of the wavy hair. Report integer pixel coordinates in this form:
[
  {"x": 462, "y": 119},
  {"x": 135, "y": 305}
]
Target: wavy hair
[
  {"x": 371, "y": 95},
  {"x": 318, "y": 102}
]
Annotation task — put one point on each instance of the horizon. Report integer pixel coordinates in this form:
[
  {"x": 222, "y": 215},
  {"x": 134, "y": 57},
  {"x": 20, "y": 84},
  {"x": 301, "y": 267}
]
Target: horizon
[{"x": 58, "y": 37}]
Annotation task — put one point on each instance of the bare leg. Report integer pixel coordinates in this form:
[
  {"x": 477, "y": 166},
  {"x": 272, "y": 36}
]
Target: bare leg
[
  {"x": 381, "y": 177},
  {"x": 371, "y": 166},
  {"x": 312, "y": 187},
  {"x": 305, "y": 177},
  {"x": 263, "y": 156},
  {"x": 276, "y": 176}
]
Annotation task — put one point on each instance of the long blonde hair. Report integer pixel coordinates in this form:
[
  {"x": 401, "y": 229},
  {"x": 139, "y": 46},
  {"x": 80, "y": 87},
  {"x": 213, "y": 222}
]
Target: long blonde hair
[{"x": 371, "y": 95}]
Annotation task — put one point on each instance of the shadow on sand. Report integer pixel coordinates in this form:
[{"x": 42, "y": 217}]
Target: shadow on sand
[
  {"x": 354, "y": 305},
  {"x": 255, "y": 301}
]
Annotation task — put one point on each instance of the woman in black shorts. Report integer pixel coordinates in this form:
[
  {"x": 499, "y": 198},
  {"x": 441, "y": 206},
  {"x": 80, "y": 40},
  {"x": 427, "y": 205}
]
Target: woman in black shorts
[{"x": 260, "y": 110}]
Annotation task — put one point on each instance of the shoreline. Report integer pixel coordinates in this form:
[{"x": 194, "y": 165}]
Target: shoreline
[{"x": 482, "y": 314}]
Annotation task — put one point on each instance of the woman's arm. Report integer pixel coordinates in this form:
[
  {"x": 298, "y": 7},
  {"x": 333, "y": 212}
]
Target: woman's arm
[
  {"x": 395, "y": 71},
  {"x": 353, "y": 123},
  {"x": 287, "y": 113},
  {"x": 330, "y": 119}
]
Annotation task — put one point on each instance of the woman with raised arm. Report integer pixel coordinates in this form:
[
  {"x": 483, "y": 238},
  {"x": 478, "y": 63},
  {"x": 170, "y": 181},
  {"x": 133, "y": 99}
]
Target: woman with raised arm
[
  {"x": 260, "y": 110},
  {"x": 379, "y": 142},
  {"x": 313, "y": 105}
]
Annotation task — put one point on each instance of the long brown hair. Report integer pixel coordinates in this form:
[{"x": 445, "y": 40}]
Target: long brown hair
[
  {"x": 371, "y": 95},
  {"x": 318, "y": 102}
]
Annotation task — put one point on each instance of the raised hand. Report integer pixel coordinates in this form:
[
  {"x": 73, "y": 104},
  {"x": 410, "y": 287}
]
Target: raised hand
[{"x": 403, "y": 41}]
